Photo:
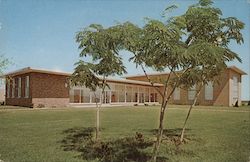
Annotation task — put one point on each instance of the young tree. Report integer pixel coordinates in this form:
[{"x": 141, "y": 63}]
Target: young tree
[
  {"x": 198, "y": 59},
  {"x": 4, "y": 62},
  {"x": 158, "y": 46},
  {"x": 208, "y": 38},
  {"x": 102, "y": 46}
]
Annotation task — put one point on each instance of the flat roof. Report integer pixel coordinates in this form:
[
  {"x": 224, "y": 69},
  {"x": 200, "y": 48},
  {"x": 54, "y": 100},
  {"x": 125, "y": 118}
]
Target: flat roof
[
  {"x": 123, "y": 80},
  {"x": 236, "y": 69},
  {"x": 31, "y": 70}
]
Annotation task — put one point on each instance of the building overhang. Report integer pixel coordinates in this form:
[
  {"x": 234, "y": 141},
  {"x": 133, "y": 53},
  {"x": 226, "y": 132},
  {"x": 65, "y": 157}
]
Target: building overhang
[{"x": 234, "y": 68}]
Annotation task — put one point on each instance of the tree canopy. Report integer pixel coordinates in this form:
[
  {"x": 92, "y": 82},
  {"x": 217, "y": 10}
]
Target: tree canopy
[{"x": 194, "y": 47}]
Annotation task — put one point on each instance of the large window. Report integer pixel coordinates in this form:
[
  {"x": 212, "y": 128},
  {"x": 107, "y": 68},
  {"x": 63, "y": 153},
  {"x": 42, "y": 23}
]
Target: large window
[
  {"x": 27, "y": 86},
  {"x": 19, "y": 88},
  {"x": 71, "y": 96},
  {"x": 153, "y": 95},
  {"x": 13, "y": 88},
  {"x": 121, "y": 93},
  {"x": 177, "y": 94},
  {"x": 106, "y": 96},
  {"x": 141, "y": 94},
  {"x": 115, "y": 94},
  {"x": 8, "y": 89},
  {"x": 209, "y": 91},
  {"x": 77, "y": 96},
  {"x": 192, "y": 92},
  {"x": 146, "y": 94},
  {"x": 135, "y": 94},
  {"x": 129, "y": 94},
  {"x": 235, "y": 88},
  {"x": 84, "y": 95}
]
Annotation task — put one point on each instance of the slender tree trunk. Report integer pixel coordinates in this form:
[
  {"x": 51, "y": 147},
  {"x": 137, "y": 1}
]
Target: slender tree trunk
[
  {"x": 97, "y": 122},
  {"x": 160, "y": 128},
  {"x": 189, "y": 112},
  {"x": 98, "y": 109},
  {"x": 163, "y": 108},
  {"x": 97, "y": 119},
  {"x": 160, "y": 131}
]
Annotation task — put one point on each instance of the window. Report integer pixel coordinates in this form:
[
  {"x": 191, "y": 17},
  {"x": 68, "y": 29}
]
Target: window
[
  {"x": 8, "y": 89},
  {"x": 71, "y": 96},
  {"x": 85, "y": 95},
  {"x": 27, "y": 87},
  {"x": 13, "y": 88},
  {"x": 209, "y": 91},
  {"x": 177, "y": 93},
  {"x": 191, "y": 93},
  {"x": 235, "y": 88},
  {"x": 19, "y": 88},
  {"x": 153, "y": 95},
  {"x": 147, "y": 95},
  {"x": 129, "y": 94}
]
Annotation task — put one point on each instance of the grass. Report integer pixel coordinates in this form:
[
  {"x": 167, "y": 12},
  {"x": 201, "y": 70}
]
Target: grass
[{"x": 34, "y": 135}]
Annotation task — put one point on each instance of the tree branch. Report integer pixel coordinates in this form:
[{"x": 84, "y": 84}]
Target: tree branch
[{"x": 151, "y": 82}]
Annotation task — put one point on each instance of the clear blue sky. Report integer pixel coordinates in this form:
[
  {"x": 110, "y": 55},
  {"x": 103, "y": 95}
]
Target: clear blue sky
[{"x": 41, "y": 33}]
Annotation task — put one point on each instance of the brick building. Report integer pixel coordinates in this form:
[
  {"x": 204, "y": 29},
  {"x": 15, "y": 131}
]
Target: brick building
[
  {"x": 224, "y": 93},
  {"x": 42, "y": 88}
]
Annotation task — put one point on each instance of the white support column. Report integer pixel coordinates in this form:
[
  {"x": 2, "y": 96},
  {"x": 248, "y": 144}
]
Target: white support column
[
  {"x": 90, "y": 98},
  {"x": 138, "y": 95},
  {"x": 80, "y": 101},
  {"x": 100, "y": 97},
  {"x": 239, "y": 91},
  {"x": 125, "y": 93},
  {"x": 110, "y": 92},
  {"x": 149, "y": 95}
]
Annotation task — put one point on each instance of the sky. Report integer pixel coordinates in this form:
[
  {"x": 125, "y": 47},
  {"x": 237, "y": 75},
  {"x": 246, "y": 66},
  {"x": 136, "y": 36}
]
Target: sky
[{"x": 41, "y": 33}]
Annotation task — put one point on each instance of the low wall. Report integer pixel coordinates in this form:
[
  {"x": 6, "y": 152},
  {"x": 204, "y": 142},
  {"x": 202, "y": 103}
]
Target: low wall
[{"x": 50, "y": 102}]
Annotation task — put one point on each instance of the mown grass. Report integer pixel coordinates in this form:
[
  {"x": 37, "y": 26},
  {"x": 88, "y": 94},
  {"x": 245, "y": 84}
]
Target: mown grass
[{"x": 35, "y": 135}]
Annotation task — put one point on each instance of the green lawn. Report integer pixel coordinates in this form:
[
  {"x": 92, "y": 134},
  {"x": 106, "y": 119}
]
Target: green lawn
[{"x": 34, "y": 135}]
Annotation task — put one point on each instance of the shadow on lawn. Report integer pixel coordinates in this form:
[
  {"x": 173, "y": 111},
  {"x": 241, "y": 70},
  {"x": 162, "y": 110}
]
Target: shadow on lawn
[
  {"x": 172, "y": 134},
  {"x": 171, "y": 140},
  {"x": 129, "y": 149}
]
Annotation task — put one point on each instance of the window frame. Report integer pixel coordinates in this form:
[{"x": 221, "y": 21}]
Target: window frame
[{"x": 27, "y": 86}]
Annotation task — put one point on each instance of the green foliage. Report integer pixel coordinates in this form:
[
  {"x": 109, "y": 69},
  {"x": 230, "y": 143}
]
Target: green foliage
[
  {"x": 205, "y": 2},
  {"x": 83, "y": 76},
  {"x": 208, "y": 35},
  {"x": 4, "y": 62},
  {"x": 102, "y": 46}
]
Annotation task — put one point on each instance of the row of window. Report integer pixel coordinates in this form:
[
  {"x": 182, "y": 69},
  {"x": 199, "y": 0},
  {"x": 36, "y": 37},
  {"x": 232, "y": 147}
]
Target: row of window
[
  {"x": 116, "y": 94},
  {"x": 17, "y": 87},
  {"x": 192, "y": 92}
]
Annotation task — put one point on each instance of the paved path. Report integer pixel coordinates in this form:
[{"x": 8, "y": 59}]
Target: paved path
[{"x": 208, "y": 109}]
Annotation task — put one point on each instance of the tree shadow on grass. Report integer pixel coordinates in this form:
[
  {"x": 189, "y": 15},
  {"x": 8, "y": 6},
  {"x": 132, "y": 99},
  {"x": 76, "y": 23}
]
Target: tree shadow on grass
[
  {"x": 173, "y": 134},
  {"x": 129, "y": 149},
  {"x": 171, "y": 140},
  {"x": 76, "y": 137}
]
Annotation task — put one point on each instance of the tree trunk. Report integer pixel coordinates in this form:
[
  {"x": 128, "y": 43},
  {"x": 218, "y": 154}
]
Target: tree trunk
[
  {"x": 97, "y": 122},
  {"x": 160, "y": 132},
  {"x": 189, "y": 112},
  {"x": 97, "y": 119}
]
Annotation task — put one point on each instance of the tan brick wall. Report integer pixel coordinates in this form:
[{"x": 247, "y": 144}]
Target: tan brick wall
[{"x": 221, "y": 90}]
